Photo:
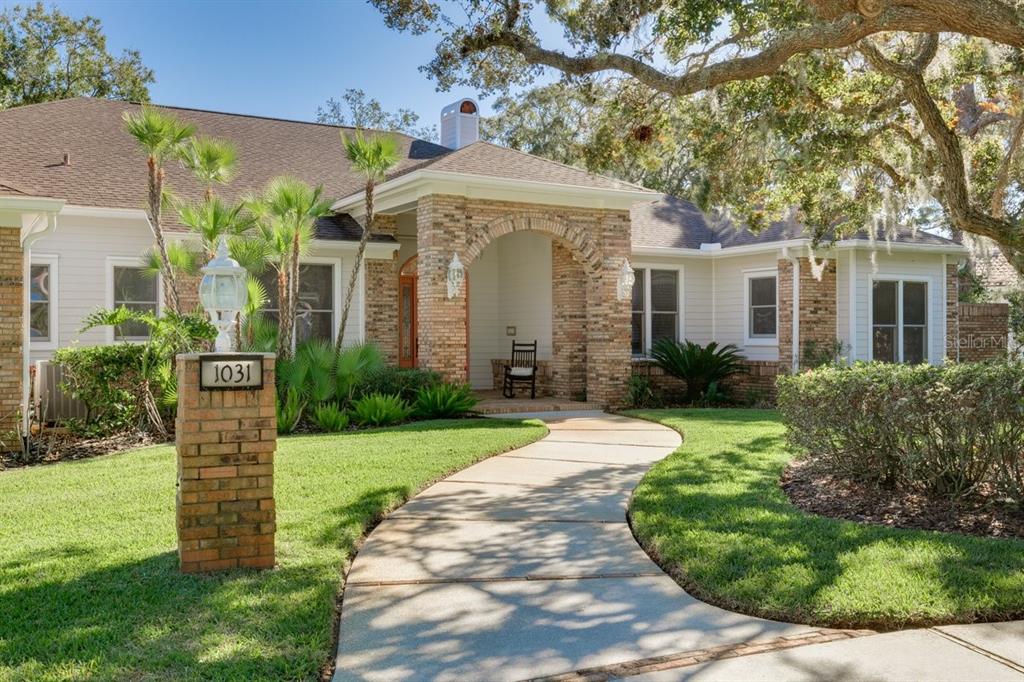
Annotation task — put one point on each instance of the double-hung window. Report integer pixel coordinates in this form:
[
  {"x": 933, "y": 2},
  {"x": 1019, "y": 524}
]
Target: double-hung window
[
  {"x": 43, "y": 301},
  {"x": 656, "y": 308},
  {"x": 762, "y": 325},
  {"x": 137, "y": 290},
  {"x": 314, "y": 318},
  {"x": 899, "y": 321}
]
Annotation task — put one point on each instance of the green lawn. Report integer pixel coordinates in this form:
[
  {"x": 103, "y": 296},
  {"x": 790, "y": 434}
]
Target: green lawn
[
  {"x": 714, "y": 516},
  {"x": 89, "y": 585}
]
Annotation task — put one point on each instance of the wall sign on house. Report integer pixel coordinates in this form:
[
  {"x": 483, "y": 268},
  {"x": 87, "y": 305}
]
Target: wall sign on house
[{"x": 219, "y": 372}]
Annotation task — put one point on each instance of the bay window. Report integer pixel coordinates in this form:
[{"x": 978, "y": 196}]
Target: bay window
[
  {"x": 899, "y": 321},
  {"x": 656, "y": 307}
]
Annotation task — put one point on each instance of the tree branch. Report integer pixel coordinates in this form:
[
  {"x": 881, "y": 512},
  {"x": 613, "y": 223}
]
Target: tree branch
[
  {"x": 997, "y": 206},
  {"x": 991, "y": 19}
]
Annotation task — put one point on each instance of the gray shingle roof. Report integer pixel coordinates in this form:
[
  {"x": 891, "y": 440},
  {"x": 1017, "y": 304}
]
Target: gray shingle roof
[{"x": 677, "y": 223}]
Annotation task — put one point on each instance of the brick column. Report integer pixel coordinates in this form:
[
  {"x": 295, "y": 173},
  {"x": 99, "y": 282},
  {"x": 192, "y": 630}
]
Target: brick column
[
  {"x": 382, "y": 305},
  {"x": 816, "y": 323},
  {"x": 609, "y": 353},
  {"x": 984, "y": 331},
  {"x": 568, "y": 324},
  {"x": 952, "y": 312},
  {"x": 225, "y": 501},
  {"x": 440, "y": 233},
  {"x": 11, "y": 336}
]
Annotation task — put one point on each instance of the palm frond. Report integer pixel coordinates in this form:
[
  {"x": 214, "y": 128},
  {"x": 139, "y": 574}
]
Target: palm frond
[
  {"x": 373, "y": 156},
  {"x": 160, "y": 135},
  {"x": 211, "y": 160}
]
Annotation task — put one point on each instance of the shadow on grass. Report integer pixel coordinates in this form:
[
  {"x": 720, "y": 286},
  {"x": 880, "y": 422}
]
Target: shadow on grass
[
  {"x": 714, "y": 516},
  {"x": 118, "y": 620}
]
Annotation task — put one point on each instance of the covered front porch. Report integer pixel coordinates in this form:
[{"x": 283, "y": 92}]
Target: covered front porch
[{"x": 530, "y": 273}]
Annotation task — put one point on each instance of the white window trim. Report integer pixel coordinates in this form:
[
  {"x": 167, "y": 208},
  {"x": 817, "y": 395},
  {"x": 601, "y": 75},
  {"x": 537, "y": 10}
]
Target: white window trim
[
  {"x": 51, "y": 261},
  {"x": 929, "y": 323},
  {"x": 128, "y": 262},
  {"x": 336, "y": 264},
  {"x": 681, "y": 315},
  {"x": 748, "y": 339}
]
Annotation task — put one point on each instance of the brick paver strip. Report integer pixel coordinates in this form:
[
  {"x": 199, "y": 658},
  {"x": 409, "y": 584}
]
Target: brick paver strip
[{"x": 688, "y": 658}]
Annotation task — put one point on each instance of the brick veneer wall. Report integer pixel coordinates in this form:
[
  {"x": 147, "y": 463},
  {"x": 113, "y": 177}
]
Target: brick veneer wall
[
  {"x": 598, "y": 239},
  {"x": 188, "y": 291},
  {"x": 11, "y": 319},
  {"x": 817, "y": 309},
  {"x": 984, "y": 329},
  {"x": 225, "y": 502},
  {"x": 381, "y": 293}
]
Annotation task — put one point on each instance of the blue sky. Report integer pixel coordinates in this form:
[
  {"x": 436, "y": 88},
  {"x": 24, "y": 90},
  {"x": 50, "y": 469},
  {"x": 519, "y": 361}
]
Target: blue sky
[{"x": 279, "y": 59}]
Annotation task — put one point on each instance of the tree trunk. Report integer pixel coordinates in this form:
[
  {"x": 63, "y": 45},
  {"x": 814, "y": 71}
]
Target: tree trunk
[
  {"x": 156, "y": 186},
  {"x": 353, "y": 280},
  {"x": 284, "y": 337},
  {"x": 293, "y": 293}
]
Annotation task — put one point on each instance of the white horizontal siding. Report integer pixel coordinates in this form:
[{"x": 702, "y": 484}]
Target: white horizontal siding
[{"x": 730, "y": 311}]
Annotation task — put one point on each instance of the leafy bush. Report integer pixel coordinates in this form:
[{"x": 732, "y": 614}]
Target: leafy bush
[
  {"x": 402, "y": 382},
  {"x": 949, "y": 430},
  {"x": 641, "y": 392},
  {"x": 444, "y": 400},
  {"x": 330, "y": 417},
  {"x": 106, "y": 380},
  {"x": 699, "y": 366},
  {"x": 378, "y": 409}
]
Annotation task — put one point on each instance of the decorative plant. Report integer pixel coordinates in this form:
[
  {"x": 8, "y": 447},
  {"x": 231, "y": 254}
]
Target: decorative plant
[
  {"x": 285, "y": 213},
  {"x": 169, "y": 334},
  {"x": 289, "y": 410},
  {"x": 212, "y": 162},
  {"x": 697, "y": 365},
  {"x": 161, "y": 137},
  {"x": 641, "y": 392},
  {"x": 371, "y": 158},
  {"x": 330, "y": 417},
  {"x": 380, "y": 410},
  {"x": 390, "y": 380},
  {"x": 444, "y": 400}
]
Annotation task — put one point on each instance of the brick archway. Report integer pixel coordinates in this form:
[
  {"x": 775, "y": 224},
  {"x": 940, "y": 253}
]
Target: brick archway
[{"x": 575, "y": 238}]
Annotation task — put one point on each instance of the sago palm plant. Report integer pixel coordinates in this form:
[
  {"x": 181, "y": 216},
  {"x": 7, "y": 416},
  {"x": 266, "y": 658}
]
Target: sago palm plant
[{"x": 698, "y": 366}]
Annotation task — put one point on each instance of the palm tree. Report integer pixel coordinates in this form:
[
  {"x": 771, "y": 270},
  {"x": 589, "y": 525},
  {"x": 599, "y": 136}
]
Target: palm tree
[
  {"x": 285, "y": 213},
  {"x": 161, "y": 137},
  {"x": 212, "y": 162},
  {"x": 372, "y": 158},
  {"x": 212, "y": 219}
]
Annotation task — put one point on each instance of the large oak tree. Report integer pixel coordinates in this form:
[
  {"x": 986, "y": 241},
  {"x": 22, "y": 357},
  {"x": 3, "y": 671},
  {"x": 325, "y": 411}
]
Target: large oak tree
[{"x": 858, "y": 113}]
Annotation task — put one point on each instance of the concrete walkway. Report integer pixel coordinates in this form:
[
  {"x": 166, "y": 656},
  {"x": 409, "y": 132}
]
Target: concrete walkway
[{"x": 523, "y": 566}]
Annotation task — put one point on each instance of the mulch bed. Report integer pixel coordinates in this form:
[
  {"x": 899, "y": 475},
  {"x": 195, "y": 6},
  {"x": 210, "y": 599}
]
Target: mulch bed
[
  {"x": 814, "y": 490},
  {"x": 58, "y": 445}
]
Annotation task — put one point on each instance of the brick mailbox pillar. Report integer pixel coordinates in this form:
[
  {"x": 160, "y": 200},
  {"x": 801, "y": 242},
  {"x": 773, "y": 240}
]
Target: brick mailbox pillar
[{"x": 226, "y": 437}]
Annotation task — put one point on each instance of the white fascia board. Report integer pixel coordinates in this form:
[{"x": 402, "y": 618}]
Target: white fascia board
[
  {"x": 105, "y": 212},
  {"x": 31, "y": 214},
  {"x": 785, "y": 246},
  {"x": 405, "y": 190},
  {"x": 882, "y": 245}
]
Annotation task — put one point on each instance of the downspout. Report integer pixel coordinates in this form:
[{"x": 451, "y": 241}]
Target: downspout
[{"x": 26, "y": 324}]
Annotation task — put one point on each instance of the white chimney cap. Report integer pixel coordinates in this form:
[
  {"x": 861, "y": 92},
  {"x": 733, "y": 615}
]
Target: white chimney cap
[{"x": 460, "y": 123}]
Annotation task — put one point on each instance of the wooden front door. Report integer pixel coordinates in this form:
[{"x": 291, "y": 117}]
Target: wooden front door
[{"x": 408, "y": 335}]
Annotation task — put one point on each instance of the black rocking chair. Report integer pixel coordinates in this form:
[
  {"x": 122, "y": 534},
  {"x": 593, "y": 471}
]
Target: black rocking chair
[{"x": 522, "y": 369}]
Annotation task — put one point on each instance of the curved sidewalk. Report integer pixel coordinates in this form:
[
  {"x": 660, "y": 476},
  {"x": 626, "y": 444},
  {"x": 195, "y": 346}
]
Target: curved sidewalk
[{"x": 524, "y": 566}]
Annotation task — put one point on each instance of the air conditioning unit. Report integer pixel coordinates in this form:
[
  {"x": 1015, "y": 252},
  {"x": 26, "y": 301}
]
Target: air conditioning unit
[{"x": 52, "y": 404}]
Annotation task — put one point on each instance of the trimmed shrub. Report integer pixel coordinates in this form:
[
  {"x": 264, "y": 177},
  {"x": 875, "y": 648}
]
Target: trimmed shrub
[
  {"x": 444, "y": 400},
  {"x": 699, "y": 366},
  {"x": 106, "y": 379},
  {"x": 948, "y": 430},
  {"x": 377, "y": 409},
  {"x": 329, "y": 417},
  {"x": 402, "y": 382},
  {"x": 641, "y": 392}
]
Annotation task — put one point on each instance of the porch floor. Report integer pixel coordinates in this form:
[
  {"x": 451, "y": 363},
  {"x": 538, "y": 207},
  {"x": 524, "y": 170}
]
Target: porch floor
[{"x": 493, "y": 402}]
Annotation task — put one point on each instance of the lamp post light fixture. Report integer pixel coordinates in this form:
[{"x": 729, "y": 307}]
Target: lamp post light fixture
[
  {"x": 627, "y": 278},
  {"x": 223, "y": 293},
  {"x": 456, "y": 275}
]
